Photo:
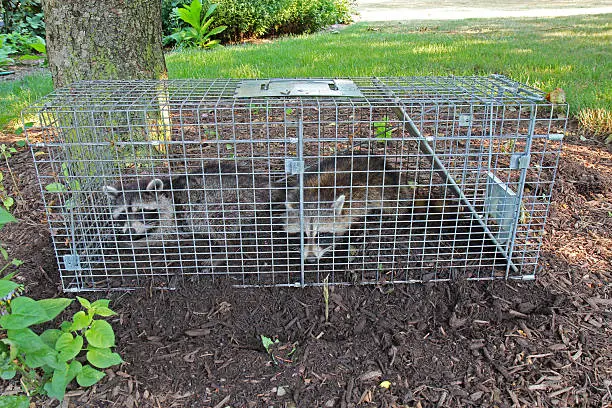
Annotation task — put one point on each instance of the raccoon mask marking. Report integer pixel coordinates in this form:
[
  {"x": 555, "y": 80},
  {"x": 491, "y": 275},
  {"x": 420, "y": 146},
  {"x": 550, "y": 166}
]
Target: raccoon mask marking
[
  {"x": 341, "y": 192},
  {"x": 141, "y": 214},
  {"x": 323, "y": 226}
]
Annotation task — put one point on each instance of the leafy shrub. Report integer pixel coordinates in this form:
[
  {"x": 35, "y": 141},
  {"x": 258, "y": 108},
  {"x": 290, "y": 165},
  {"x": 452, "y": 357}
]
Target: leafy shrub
[
  {"x": 5, "y": 52},
  {"x": 170, "y": 21},
  {"x": 23, "y": 16},
  {"x": 258, "y": 18},
  {"x": 48, "y": 362},
  {"x": 199, "y": 32},
  {"x": 22, "y": 44},
  {"x": 17, "y": 41}
]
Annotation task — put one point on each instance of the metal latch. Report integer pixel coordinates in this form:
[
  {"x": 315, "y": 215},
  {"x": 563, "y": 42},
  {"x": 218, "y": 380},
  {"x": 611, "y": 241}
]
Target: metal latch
[
  {"x": 465, "y": 120},
  {"x": 72, "y": 262},
  {"x": 294, "y": 166},
  {"x": 519, "y": 161}
]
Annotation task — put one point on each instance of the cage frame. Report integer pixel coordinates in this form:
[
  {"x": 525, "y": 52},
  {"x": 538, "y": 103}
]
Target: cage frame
[{"x": 524, "y": 96}]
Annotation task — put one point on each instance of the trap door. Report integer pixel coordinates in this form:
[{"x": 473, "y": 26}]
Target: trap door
[{"x": 454, "y": 188}]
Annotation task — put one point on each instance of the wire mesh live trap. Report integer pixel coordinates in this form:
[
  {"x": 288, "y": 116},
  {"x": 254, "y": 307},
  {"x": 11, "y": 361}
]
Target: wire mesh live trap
[{"x": 296, "y": 181}]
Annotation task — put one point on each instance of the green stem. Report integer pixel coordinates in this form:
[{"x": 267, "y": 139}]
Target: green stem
[{"x": 13, "y": 177}]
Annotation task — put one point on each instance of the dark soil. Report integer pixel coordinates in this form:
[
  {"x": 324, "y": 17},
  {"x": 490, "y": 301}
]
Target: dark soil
[{"x": 504, "y": 344}]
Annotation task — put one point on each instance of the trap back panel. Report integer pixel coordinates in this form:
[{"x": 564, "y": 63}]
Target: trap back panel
[{"x": 475, "y": 158}]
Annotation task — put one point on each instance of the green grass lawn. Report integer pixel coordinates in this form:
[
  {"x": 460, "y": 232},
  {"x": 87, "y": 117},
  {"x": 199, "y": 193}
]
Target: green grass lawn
[{"x": 574, "y": 53}]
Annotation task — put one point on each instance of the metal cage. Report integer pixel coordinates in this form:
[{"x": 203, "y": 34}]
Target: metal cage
[{"x": 296, "y": 181}]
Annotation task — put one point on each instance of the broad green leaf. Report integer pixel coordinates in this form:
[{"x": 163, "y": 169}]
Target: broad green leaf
[
  {"x": 55, "y": 188},
  {"x": 204, "y": 27},
  {"x": 89, "y": 376},
  {"x": 211, "y": 9},
  {"x": 7, "y": 287},
  {"x": 217, "y": 30},
  {"x": 101, "y": 303},
  {"x": 190, "y": 13},
  {"x": 68, "y": 346},
  {"x": 84, "y": 302},
  {"x": 20, "y": 143},
  {"x": 64, "y": 168},
  {"x": 6, "y": 217},
  {"x": 42, "y": 358},
  {"x": 65, "y": 326},
  {"x": 53, "y": 307},
  {"x": 100, "y": 334},
  {"x": 56, "y": 388},
  {"x": 75, "y": 185},
  {"x": 50, "y": 336},
  {"x": 39, "y": 47},
  {"x": 7, "y": 373},
  {"x": 80, "y": 320},
  {"x": 26, "y": 340},
  {"x": 8, "y": 202},
  {"x": 17, "y": 262},
  {"x": 24, "y": 312},
  {"x": 103, "y": 311},
  {"x": 103, "y": 357},
  {"x": 14, "y": 401}
]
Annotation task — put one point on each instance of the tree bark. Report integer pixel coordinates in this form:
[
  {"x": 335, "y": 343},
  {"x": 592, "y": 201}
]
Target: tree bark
[{"x": 110, "y": 39}]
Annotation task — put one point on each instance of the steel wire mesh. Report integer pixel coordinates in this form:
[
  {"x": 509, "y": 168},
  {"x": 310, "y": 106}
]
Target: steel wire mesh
[{"x": 287, "y": 182}]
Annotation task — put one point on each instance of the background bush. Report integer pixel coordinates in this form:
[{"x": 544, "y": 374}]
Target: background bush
[
  {"x": 22, "y": 16},
  {"x": 260, "y": 18}
]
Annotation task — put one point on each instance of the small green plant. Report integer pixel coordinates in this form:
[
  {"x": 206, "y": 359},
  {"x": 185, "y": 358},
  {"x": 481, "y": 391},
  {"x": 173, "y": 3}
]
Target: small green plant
[
  {"x": 5, "y": 51},
  {"x": 73, "y": 185},
  {"x": 199, "y": 33},
  {"x": 7, "y": 153},
  {"x": 39, "y": 45},
  {"x": 280, "y": 353},
  {"x": 7, "y": 200},
  {"x": 20, "y": 42},
  {"x": 267, "y": 342},
  {"x": 383, "y": 129},
  {"x": 49, "y": 362}
]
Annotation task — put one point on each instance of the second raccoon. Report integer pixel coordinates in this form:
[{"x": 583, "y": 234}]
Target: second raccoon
[
  {"x": 339, "y": 192},
  {"x": 215, "y": 204}
]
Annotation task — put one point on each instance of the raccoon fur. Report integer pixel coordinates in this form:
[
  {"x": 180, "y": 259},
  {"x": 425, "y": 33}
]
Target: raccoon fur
[
  {"x": 219, "y": 204},
  {"x": 340, "y": 192}
]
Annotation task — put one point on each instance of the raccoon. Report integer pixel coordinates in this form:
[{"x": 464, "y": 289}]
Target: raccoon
[
  {"x": 340, "y": 192},
  {"x": 142, "y": 211},
  {"x": 219, "y": 204}
]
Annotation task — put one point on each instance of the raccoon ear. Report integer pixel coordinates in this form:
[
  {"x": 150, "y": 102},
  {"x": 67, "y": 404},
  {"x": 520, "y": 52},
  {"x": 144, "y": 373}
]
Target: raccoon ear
[
  {"x": 155, "y": 184},
  {"x": 110, "y": 191},
  {"x": 339, "y": 205}
]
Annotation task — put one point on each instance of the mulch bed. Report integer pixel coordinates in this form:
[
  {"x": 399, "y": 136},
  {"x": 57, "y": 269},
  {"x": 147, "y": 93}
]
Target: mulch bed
[{"x": 505, "y": 344}]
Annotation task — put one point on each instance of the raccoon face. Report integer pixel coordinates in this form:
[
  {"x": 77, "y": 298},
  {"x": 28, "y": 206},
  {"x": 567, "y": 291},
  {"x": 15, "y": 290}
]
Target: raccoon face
[
  {"x": 138, "y": 214},
  {"x": 324, "y": 224}
]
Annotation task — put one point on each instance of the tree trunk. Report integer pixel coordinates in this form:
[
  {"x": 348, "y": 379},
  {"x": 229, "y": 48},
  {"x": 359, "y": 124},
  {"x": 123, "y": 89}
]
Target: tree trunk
[{"x": 110, "y": 39}]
